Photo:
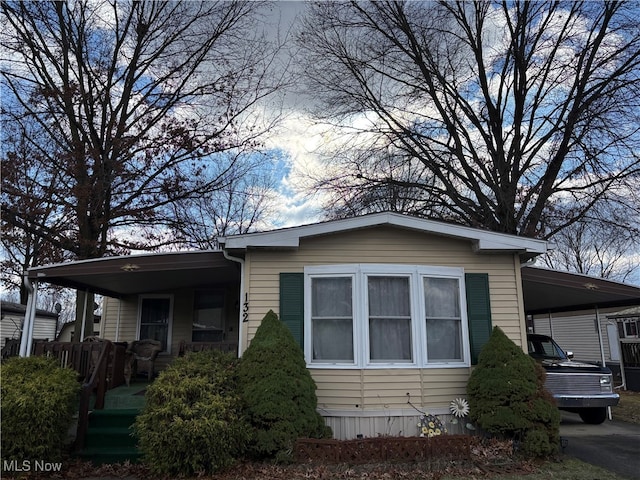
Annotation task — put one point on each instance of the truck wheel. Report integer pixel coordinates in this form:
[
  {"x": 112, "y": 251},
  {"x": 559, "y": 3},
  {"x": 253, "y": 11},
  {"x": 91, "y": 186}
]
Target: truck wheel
[{"x": 593, "y": 416}]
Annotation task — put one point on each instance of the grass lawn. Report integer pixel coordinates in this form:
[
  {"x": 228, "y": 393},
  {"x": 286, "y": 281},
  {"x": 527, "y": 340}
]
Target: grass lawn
[
  {"x": 563, "y": 468},
  {"x": 628, "y": 410}
]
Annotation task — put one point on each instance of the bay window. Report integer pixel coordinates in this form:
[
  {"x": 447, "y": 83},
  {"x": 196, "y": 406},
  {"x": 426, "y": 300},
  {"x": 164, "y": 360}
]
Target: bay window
[{"x": 385, "y": 316}]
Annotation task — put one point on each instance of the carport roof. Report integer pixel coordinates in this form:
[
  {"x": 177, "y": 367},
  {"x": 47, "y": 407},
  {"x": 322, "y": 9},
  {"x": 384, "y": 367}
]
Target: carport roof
[
  {"x": 551, "y": 291},
  {"x": 545, "y": 291},
  {"x": 138, "y": 274}
]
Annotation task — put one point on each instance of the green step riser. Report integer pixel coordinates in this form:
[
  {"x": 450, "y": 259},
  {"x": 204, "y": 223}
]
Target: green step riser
[
  {"x": 102, "y": 458},
  {"x": 112, "y": 423},
  {"x": 112, "y": 418},
  {"x": 110, "y": 440}
]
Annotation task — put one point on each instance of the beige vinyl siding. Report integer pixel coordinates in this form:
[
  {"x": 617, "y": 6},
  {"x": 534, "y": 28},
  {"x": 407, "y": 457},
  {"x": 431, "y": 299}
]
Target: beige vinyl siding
[
  {"x": 125, "y": 308},
  {"x": 379, "y": 389},
  {"x": 11, "y": 324}
]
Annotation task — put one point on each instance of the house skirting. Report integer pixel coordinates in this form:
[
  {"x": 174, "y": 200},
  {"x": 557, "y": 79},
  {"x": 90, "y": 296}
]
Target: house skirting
[{"x": 349, "y": 425}]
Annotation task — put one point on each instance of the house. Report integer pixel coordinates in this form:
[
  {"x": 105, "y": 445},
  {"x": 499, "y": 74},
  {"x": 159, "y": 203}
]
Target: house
[
  {"x": 390, "y": 310},
  {"x": 68, "y": 330},
  {"x": 12, "y": 318}
]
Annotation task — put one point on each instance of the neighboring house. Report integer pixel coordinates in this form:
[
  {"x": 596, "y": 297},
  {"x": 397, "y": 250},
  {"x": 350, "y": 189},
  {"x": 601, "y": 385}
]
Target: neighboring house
[
  {"x": 12, "y": 318},
  {"x": 390, "y": 310},
  {"x": 68, "y": 329}
]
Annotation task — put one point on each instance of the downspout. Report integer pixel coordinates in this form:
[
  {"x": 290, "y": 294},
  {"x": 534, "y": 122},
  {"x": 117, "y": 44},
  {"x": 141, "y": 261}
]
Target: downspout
[
  {"x": 32, "y": 314},
  {"x": 26, "y": 323},
  {"x": 240, "y": 313},
  {"x": 604, "y": 362}
]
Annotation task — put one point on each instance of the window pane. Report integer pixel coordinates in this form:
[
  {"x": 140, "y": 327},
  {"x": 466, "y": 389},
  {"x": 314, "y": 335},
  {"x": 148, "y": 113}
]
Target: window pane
[
  {"x": 389, "y": 319},
  {"x": 332, "y": 319},
  {"x": 441, "y": 297},
  {"x": 389, "y": 296},
  {"x": 208, "y": 321},
  {"x": 444, "y": 340},
  {"x": 331, "y": 297},
  {"x": 390, "y": 339},
  {"x": 444, "y": 326},
  {"x": 333, "y": 340},
  {"x": 154, "y": 319},
  {"x": 155, "y": 332},
  {"x": 155, "y": 310}
]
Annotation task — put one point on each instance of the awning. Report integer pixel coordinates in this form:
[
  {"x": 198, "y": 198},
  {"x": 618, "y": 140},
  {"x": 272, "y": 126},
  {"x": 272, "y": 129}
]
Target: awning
[
  {"x": 139, "y": 274},
  {"x": 551, "y": 291}
]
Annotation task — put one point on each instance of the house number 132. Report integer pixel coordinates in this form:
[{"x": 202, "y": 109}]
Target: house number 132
[{"x": 245, "y": 308}]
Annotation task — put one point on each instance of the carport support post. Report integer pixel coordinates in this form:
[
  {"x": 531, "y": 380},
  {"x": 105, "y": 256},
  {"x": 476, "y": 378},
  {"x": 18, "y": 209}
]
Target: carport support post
[
  {"x": 602, "y": 356},
  {"x": 84, "y": 315}
]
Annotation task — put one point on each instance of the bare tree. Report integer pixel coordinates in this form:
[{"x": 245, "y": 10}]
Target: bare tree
[
  {"x": 24, "y": 247},
  {"x": 136, "y": 101},
  {"x": 501, "y": 113},
  {"x": 601, "y": 244},
  {"x": 243, "y": 204}
]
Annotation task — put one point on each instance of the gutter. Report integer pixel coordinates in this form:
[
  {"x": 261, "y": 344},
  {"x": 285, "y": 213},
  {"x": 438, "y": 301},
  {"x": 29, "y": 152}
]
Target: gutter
[{"x": 240, "y": 313}]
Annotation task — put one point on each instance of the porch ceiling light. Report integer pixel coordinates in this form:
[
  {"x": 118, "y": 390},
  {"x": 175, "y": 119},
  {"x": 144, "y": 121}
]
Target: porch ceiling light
[
  {"x": 590, "y": 286},
  {"x": 130, "y": 267}
]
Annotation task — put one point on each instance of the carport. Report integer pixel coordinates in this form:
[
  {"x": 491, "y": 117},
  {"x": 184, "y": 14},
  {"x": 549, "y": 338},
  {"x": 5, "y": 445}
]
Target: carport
[{"x": 550, "y": 292}]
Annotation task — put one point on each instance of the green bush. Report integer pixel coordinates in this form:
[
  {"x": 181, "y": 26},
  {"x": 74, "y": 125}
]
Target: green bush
[
  {"x": 39, "y": 399},
  {"x": 278, "y": 392},
  {"x": 507, "y": 397},
  {"x": 192, "y": 421}
]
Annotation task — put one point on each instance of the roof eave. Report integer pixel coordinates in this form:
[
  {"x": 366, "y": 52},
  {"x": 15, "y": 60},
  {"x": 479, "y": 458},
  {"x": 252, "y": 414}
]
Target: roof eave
[{"x": 483, "y": 241}]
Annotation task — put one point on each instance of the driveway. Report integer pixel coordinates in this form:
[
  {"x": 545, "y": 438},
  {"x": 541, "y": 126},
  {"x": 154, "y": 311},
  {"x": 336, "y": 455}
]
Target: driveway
[{"x": 613, "y": 445}]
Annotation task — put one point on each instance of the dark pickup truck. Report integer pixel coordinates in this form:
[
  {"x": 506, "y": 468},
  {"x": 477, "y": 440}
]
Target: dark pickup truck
[{"x": 583, "y": 388}]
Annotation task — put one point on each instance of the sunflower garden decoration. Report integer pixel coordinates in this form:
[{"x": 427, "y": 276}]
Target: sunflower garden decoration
[{"x": 431, "y": 426}]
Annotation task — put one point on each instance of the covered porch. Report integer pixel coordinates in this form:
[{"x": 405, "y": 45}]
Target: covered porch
[{"x": 183, "y": 302}]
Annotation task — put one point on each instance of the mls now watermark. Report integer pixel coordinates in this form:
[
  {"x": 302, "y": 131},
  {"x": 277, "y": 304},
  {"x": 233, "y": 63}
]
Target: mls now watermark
[{"x": 31, "y": 466}]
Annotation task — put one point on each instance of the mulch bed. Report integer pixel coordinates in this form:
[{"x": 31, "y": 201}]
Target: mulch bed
[
  {"x": 385, "y": 449},
  {"x": 383, "y": 458}
]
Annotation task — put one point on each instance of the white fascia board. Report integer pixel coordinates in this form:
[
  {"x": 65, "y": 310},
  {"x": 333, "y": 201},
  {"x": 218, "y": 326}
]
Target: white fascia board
[{"x": 484, "y": 241}]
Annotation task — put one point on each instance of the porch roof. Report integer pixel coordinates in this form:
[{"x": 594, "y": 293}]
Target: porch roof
[
  {"x": 552, "y": 291},
  {"x": 138, "y": 274}
]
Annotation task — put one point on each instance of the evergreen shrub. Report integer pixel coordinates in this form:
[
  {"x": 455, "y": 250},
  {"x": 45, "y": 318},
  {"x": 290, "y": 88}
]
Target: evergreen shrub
[
  {"x": 278, "y": 392},
  {"x": 192, "y": 421},
  {"x": 39, "y": 399},
  {"x": 507, "y": 397}
]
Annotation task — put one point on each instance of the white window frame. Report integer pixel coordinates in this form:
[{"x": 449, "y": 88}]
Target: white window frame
[
  {"x": 141, "y": 298},
  {"x": 359, "y": 274}
]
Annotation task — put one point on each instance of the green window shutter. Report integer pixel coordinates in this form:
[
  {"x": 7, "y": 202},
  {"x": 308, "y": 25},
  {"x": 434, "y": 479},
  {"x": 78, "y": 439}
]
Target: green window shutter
[
  {"x": 292, "y": 304},
  {"x": 478, "y": 312}
]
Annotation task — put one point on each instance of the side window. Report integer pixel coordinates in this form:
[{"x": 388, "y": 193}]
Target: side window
[
  {"x": 332, "y": 319},
  {"x": 443, "y": 319},
  {"x": 155, "y": 319}
]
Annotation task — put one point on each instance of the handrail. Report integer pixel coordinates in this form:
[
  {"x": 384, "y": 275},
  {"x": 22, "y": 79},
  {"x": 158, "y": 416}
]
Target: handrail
[{"x": 97, "y": 379}]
